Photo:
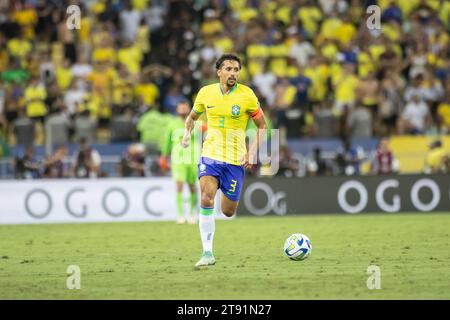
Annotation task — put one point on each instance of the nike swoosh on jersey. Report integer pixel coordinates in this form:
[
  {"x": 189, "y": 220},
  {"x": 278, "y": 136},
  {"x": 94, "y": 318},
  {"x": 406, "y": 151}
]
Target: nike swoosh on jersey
[{"x": 209, "y": 107}]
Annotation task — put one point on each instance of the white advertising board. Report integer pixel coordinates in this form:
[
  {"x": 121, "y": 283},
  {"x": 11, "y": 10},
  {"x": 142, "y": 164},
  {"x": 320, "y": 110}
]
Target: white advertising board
[{"x": 86, "y": 200}]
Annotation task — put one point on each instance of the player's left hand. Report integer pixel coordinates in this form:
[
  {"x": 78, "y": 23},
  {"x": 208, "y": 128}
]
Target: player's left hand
[{"x": 245, "y": 162}]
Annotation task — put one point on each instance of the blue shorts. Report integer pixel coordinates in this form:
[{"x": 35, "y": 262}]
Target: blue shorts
[{"x": 230, "y": 177}]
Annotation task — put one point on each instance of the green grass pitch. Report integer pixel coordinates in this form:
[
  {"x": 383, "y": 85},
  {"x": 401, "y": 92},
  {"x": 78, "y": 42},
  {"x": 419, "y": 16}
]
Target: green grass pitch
[{"x": 155, "y": 260}]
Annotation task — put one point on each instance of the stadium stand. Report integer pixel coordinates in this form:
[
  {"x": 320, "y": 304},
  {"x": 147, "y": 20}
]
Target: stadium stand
[{"x": 321, "y": 74}]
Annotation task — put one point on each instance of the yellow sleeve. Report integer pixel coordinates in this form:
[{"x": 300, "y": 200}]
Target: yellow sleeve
[
  {"x": 253, "y": 104},
  {"x": 199, "y": 104}
]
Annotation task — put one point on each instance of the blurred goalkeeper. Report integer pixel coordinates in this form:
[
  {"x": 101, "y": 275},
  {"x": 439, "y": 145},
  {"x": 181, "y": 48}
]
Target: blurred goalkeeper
[{"x": 183, "y": 162}]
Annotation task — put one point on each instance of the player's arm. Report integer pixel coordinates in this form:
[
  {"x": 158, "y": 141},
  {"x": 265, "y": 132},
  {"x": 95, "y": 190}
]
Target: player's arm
[
  {"x": 197, "y": 110},
  {"x": 250, "y": 158},
  {"x": 188, "y": 126}
]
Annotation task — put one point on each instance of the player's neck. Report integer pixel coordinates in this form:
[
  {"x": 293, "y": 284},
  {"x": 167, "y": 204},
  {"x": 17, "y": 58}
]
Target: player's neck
[{"x": 226, "y": 89}]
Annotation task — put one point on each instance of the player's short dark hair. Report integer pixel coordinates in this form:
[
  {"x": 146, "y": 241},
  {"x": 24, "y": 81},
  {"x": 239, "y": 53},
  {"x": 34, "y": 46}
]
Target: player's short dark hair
[{"x": 225, "y": 57}]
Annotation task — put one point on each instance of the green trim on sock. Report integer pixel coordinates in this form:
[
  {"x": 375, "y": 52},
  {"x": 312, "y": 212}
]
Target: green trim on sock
[
  {"x": 193, "y": 201},
  {"x": 206, "y": 211},
  {"x": 180, "y": 204}
]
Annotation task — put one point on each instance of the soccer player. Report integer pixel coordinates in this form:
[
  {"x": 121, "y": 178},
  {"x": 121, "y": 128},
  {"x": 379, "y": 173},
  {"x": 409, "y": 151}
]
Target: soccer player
[
  {"x": 183, "y": 161},
  {"x": 228, "y": 106}
]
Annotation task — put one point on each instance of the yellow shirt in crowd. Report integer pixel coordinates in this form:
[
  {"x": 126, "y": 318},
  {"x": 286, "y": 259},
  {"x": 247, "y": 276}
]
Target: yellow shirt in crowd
[
  {"x": 149, "y": 92},
  {"x": 34, "y": 99}
]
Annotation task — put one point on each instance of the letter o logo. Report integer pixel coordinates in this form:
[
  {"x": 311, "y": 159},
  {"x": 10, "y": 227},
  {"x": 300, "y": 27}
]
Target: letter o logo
[
  {"x": 358, "y": 186},
  {"x": 248, "y": 201},
  {"x": 105, "y": 198},
  {"x": 49, "y": 204},
  {"x": 434, "y": 191}
]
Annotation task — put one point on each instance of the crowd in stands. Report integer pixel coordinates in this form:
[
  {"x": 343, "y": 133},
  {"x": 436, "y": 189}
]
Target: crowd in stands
[
  {"x": 85, "y": 162},
  {"x": 316, "y": 66}
]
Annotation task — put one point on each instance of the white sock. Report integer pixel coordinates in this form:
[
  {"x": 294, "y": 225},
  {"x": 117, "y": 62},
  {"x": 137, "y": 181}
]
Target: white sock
[{"x": 207, "y": 226}]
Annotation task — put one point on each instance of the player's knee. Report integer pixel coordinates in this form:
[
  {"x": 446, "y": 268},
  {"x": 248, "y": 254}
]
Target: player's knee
[
  {"x": 229, "y": 212},
  {"x": 207, "y": 200},
  {"x": 179, "y": 187}
]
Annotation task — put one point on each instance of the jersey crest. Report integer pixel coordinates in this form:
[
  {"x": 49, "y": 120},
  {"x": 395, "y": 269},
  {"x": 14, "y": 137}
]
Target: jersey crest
[{"x": 235, "y": 110}]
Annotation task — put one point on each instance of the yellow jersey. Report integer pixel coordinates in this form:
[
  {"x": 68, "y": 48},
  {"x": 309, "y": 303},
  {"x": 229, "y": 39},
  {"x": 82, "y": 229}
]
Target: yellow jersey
[
  {"x": 434, "y": 158},
  {"x": 227, "y": 117},
  {"x": 444, "y": 112}
]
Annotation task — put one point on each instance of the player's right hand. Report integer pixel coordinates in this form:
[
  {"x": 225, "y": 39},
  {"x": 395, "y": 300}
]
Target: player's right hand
[{"x": 186, "y": 140}]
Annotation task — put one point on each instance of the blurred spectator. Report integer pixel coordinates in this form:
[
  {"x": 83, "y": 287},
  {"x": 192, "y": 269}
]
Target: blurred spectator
[
  {"x": 44, "y": 21},
  {"x": 345, "y": 86},
  {"x": 368, "y": 92},
  {"x": 133, "y": 162},
  {"x": 4, "y": 147},
  {"x": 74, "y": 96},
  {"x": 54, "y": 166},
  {"x": 66, "y": 37},
  {"x": 391, "y": 103},
  {"x": 86, "y": 161},
  {"x": 129, "y": 22},
  {"x": 416, "y": 118},
  {"x": 318, "y": 166},
  {"x": 85, "y": 127},
  {"x": 81, "y": 69},
  {"x": 325, "y": 122},
  {"x": 392, "y": 12},
  {"x": 64, "y": 75},
  {"x": 15, "y": 73},
  {"x": 443, "y": 113},
  {"x": 24, "y": 129},
  {"x": 416, "y": 88},
  {"x": 172, "y": 99},
  {"x": 418, "y": 60},
  {"x": 300, "y": 49},
  {"x": 143, "y": 40},
  {"x": 384, "y": 161},
  {"x": 147, "y": 91},
  {"x": 8, "y": 107},
  {"x": 288, "y": 118},
  {"x": 435, "y": 92},
  {"x": 35, "y": 94},
  {"x": 154, "y": 16},
  {"x": 437, "y": 159},
  {"x": 130, "y": 55},
  {"x": 359, "y": 122},
  {"x": 302, "y": 84},
  {"x": 265, "y": 82},
  {"x": 123, "y": 127},
  {"x": 57, "y": 127},
  {"x": 47, "y": 69},
  {"x": 349, "y": 158},
  {"x": 288, "y": 165},
  {"x": 26, "y": 166}
]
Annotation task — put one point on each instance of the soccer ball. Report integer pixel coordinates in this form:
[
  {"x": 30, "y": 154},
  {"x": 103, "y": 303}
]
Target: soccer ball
[{"x": 297, "y": 247}]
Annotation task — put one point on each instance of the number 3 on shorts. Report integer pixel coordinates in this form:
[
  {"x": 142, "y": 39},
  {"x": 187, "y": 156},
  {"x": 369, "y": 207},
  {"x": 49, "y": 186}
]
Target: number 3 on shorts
[{"x": 233, "y": 185}]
